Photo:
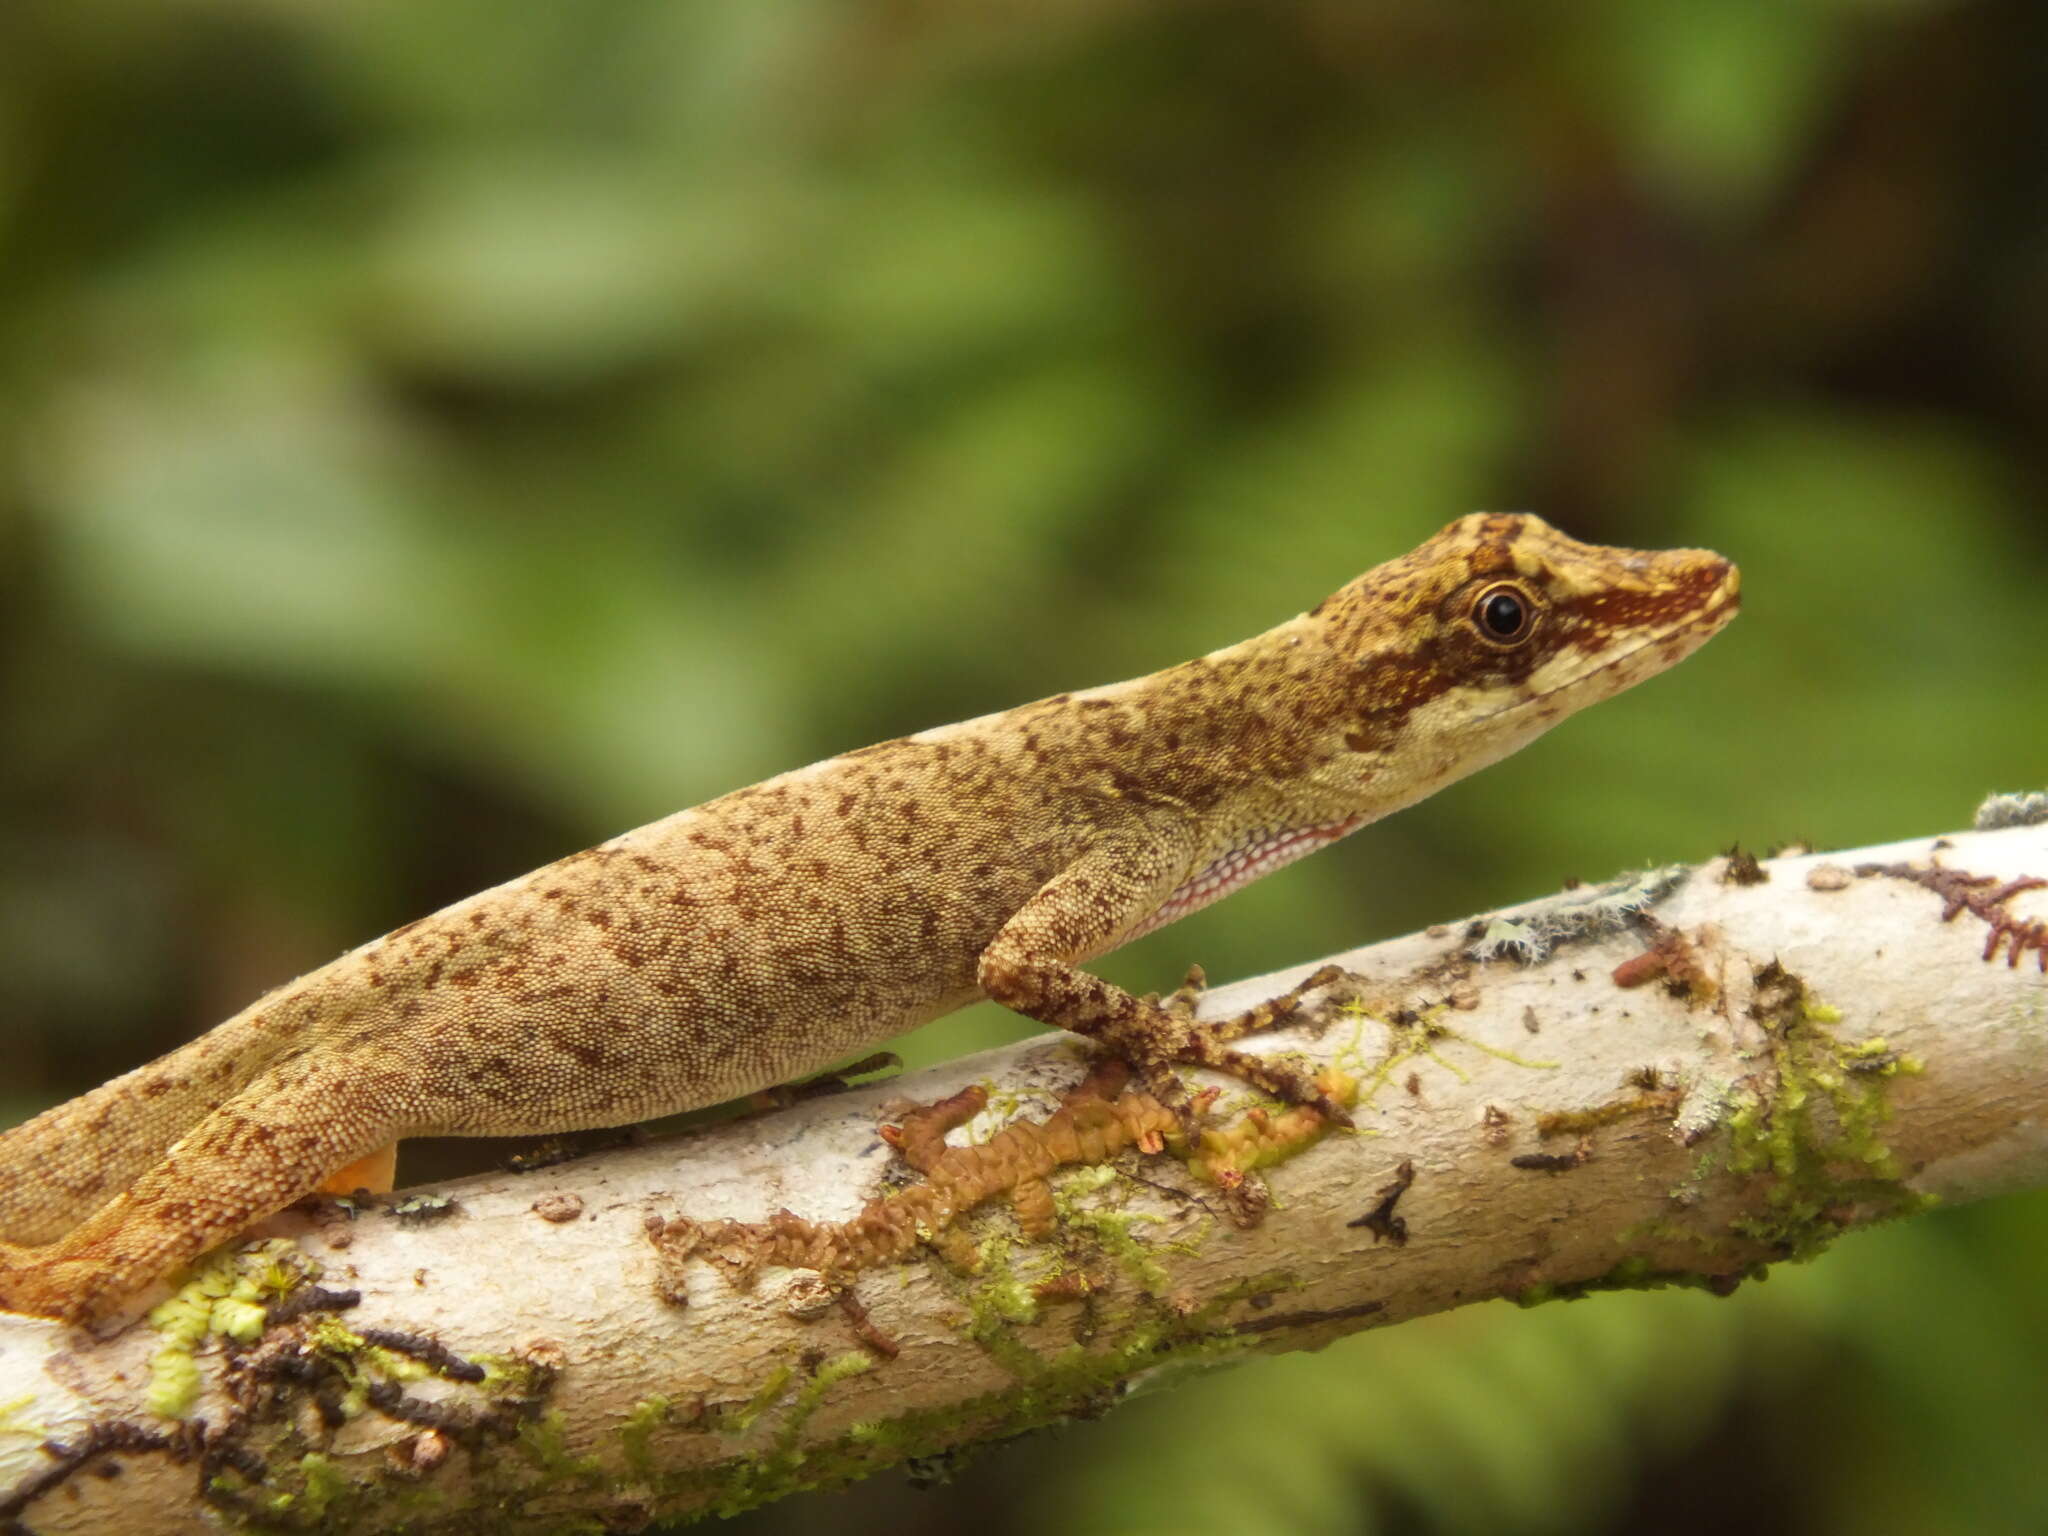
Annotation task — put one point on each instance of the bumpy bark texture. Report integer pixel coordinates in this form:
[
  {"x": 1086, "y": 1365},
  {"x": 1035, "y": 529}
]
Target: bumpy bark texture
[{"x": 1677, "y": 1078}]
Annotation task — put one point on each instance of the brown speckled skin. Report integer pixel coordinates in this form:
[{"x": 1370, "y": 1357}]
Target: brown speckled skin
[{"x": 781, "y": 927}]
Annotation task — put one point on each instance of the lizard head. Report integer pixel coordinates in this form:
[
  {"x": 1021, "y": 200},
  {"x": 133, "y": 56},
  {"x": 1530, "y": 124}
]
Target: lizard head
[{"x": 1496, "y": 629}]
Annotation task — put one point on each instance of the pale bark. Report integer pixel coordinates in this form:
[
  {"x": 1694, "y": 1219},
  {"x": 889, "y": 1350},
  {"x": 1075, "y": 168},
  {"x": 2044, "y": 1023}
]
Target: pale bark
[{"x": 1562, "y": 1131}]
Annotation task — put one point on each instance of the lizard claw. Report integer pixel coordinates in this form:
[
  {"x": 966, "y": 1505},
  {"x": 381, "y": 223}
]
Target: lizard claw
[
  {"x": 1182, "y": 1000},
  {"x": 1168, "y": 1035}
]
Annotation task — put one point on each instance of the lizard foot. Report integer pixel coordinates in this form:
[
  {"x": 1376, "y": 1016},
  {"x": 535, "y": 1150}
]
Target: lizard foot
[{"x": 1168, "y": 1034}]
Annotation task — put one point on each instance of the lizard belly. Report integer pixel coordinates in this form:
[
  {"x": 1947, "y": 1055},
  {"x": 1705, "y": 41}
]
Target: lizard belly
[{"x": 1259, "y": 854}]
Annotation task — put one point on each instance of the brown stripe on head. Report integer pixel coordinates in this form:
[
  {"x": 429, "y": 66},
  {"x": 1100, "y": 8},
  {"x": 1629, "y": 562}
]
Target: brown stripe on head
[{"x": 1670, "y": 588}]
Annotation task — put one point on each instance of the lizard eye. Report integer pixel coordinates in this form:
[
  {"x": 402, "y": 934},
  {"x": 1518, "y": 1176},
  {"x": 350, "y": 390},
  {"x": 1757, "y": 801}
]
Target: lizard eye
[{"x": 1503, "y": 615}]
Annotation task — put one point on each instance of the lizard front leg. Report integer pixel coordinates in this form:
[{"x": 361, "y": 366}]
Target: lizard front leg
[{"x": 1030, "y": 968}]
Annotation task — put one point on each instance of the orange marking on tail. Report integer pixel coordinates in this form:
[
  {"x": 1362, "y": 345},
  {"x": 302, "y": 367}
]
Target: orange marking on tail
[{"x": 374, "y": 1173}]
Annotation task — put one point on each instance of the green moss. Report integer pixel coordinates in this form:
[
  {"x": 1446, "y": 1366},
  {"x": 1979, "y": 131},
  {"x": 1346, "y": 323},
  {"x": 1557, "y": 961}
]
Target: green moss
[
  {"x": 738, "y": 1420},
  {"x": 998, "y": 1301},
  {"x": 1815, "y": 1139},
  {"x": 511, "y": 1376},
  {"x": 1086, "y": 1179},
  {"x": 1112, "y": 1231},
  {"x": 324, "y": 1485},
  {"x": 316, "y": 1493},
  {"x": 841, "y": 1367},
  {"x": 1819, "y": 1135},
  {"x": 1270, "y": 1283},
  {"x": 544, "y": 1445},
  {"x": 785, "y": 1466},
  {"x": 322, "y": 1488},
  {"x": 647, "y": 1415},
  {"x": 1075, "y": 1380},
  {"x": 328, "y": 1495},
  {"x": 1154, "y": 1336},
  {"x": 1714, "y": 1248},
  {"x": 999, "y": 1292}
]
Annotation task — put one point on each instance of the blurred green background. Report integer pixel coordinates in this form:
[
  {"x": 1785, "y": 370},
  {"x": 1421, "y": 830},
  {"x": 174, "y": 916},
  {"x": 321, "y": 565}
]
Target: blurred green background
[{"x": 435, "y": 435}]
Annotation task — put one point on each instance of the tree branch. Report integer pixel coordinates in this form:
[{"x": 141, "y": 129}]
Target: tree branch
[{"x": 1679, "y": 1079}]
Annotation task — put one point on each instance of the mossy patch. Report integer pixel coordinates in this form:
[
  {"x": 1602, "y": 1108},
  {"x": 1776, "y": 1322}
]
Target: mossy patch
[
  {"x": 1809, "y": 1133},
  {"x": 1817, "y": 1136},
  {"x": 225, "y": 1296},
  {"x": 637, "y": 1429},
  {"x": 544, "y": 1444},
  {"x": 784, "y": 1465}
]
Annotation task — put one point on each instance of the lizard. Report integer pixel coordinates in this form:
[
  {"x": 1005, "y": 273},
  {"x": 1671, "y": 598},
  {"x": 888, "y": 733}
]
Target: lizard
[{"x": 766, "y": 933}]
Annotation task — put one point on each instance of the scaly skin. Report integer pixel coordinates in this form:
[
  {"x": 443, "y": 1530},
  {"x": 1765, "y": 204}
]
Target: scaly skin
[{"x": 767, "y": 933}]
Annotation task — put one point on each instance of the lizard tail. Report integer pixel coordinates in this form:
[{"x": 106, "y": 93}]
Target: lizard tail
[{"x": 70, "y": 1160}]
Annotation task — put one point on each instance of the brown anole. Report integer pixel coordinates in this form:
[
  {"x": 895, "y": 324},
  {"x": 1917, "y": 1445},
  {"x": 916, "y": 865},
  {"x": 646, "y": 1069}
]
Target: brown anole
[{"x": 769, "y": 932}]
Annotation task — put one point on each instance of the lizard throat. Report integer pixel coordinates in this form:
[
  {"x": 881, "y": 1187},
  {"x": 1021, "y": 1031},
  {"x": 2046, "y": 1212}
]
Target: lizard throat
[{"x": 1259, "y": 854}]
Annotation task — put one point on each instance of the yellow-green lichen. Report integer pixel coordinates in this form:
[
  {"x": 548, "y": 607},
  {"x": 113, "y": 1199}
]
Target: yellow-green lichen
[
  {"x": 1417, "y": 1038},
  {"x": 174, "y": 1381},
  {"x": 224, "y": 1296},
  {"x": 1262, "y": 1137}
]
